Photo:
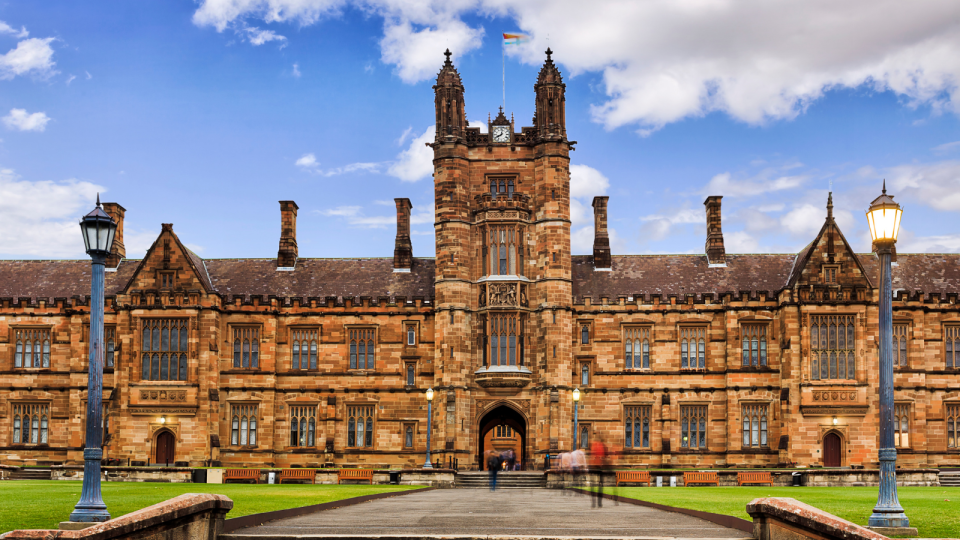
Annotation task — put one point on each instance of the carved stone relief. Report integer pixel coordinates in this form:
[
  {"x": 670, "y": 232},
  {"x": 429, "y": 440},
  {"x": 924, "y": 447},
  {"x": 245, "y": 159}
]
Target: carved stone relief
[{"x": 503, "y": 294}]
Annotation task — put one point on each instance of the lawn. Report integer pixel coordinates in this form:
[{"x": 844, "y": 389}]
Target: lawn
[
  {"x": 934, "y": 511},
  {"x": 42, "y": 504}
]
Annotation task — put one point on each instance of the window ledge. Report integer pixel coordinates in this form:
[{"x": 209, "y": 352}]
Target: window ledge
[
  {"x": 504, "y": 277},
  {"x": 502, "y": 369}
]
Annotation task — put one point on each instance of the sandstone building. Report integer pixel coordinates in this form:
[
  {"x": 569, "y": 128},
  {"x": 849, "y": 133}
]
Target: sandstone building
[{"x": 682, "y": 360}]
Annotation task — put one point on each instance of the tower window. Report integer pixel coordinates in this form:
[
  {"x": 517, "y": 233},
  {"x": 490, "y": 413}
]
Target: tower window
[
  {"x": 585, "y": 334},
  {"x": 505, "y": 248},
  {"x": 411, "y": 335},
  {"x": 506, "y": 340}
]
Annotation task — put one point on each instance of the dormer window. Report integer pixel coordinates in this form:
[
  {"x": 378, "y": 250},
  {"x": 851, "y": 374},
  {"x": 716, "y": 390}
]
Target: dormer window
[
  {"x": 830, "y": 274},
  {"x": 166, "y": 280}
]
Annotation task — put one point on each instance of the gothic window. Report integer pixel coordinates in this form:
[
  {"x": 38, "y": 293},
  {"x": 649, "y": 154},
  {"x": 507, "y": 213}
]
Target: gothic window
[
  {"x": 637, "y": 426},
  {"x": 303, "y": 425},
  {"x": 408, "y": 436},
  {"x": 584, "y": 334},
  {"x": 412, "y": 335},
  {"x": 636, "y": 346},
  {"x": 362, "y": 346},
  {"x": 166, "y": 280},
  {"x": 900, "y": 332},
  {"x": 693, "y": 347},
  {"x": 832, "y": 347},
  {"x": 165, "y": 350},
  {"x": 953, "y": 425},
  {"x": 503, "y": 431},
  {"x": 505, "y": 338},
  {"x": 584, "y": 440},
  {"x": 754, "y": 425},
  {"x": 952, "y": 346},
  {"x": 754, "y": 345},
  {"x": 360, "y": 426},
  {"x": 830, "y": 274},
  {"x": 110, "y": 337},
  {"x": 501, "y": 187},
  {"x": 304, "y": 348},
  {"x": 243, "y": 428},
  {"x": 30, "y": 423},
  {"x": 505, "y": 246},
  {"x": 32, "y": 348},
  {"x": 246, "y": 347},
  {"x": 901, "y": 425},
  {"x": 693, "y": 426},
  {"x": 411, "y": 374},
  {"x": 584, "y": 374}
]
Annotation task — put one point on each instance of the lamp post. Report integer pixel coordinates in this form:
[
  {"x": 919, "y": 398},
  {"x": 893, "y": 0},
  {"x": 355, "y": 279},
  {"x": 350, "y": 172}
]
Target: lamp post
[
  {"x": 576, "y": 405},
  {"x": 884, "y": 220},
  {"x": 429, "y": 465},
  {"x": 98, "y": 230}
]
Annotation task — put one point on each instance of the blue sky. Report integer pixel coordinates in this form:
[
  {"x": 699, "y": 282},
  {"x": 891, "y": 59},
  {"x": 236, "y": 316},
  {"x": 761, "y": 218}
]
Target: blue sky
[{"x": 206, "y": 114}]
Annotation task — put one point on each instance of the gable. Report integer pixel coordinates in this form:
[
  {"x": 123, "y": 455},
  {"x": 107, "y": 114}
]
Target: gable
[
  {"x": 170, "y": 265},
  {"x": 829, "y": 260}
]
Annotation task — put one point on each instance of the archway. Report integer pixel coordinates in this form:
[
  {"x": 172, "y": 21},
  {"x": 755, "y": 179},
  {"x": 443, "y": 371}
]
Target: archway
[
  {"x": 832, "y": 455},
  {"x": 165, "y": 448},
  {"x": 501, "y": 428}
]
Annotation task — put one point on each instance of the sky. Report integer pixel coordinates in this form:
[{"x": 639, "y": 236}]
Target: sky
[{"x": 205, "y": 114}]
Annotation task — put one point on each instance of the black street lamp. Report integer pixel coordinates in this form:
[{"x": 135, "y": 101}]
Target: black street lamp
[
  {"x": 429, "y": 465},
  {"x": 884, "y": 219},
  {"x": 98, "y": 230}
]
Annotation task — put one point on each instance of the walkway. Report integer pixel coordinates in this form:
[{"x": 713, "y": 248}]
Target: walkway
[{"x": 543, "y": 513}]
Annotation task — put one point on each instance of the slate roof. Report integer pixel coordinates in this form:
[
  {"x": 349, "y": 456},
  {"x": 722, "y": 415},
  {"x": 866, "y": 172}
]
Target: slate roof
[{"x": 349, "y": 278}]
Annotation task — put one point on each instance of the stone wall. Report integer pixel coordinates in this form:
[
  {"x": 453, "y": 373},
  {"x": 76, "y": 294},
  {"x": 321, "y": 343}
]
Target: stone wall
[
  {"x": 776, "y": 518},
  {"x": 126, "y": 474},
  {"x": 191, "y": 516}
]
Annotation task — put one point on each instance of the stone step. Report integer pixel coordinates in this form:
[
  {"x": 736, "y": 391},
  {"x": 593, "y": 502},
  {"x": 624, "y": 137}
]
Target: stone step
[{"x": 950, "y": 479}]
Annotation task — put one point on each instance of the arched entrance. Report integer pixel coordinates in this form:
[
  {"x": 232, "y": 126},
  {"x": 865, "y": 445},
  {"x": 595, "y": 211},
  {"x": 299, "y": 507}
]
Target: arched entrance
[
  {"x": 500, "y": 429},
  {"x": 831, "y": 450},
  {"x": 166, "y": 448}
]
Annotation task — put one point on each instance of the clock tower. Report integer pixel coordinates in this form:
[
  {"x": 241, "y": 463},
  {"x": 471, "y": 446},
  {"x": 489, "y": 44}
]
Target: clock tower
[{"x": 503, "y": 275}]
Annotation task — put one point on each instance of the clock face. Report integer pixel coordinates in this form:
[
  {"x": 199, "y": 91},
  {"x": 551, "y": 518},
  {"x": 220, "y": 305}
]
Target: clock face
[{"x": 501, "y": 133}]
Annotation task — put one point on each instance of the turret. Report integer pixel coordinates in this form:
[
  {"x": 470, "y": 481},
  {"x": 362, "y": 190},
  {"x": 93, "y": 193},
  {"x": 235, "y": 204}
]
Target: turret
[
  {"x": 550, "y": 117},
  {"x": 451, "y": 118}
]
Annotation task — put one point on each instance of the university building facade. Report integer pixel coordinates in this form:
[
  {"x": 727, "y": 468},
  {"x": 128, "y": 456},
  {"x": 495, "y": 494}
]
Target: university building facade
[{"x": 706, "y": 360}]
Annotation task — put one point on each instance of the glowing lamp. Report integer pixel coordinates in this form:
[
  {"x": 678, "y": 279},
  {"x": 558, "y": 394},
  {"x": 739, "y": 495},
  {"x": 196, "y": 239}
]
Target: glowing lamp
[{"x": 884, "y": 218}]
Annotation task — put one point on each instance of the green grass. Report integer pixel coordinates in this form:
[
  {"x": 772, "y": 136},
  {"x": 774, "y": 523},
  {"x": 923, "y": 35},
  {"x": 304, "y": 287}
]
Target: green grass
[
  {"x": 42, "y": 504},
  {"x": 934, "y": 511}
]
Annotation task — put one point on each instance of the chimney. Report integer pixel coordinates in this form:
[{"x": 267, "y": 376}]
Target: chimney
[
  {"x": 117, "y": 252},
  {"x": 716, "y": 254},
  {"x": 601, "y": 241},
  {"x": 403, "y": 249},
  {"x": 287, "y": 255}
]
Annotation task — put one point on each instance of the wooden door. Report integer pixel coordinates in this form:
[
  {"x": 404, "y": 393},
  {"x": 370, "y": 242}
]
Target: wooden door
[
  {"x": 831, "y": 450},
  {"x": 166, "y": 444}
]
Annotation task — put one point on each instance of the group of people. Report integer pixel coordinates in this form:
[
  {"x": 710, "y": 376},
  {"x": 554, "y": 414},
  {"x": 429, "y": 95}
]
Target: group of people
[
  {"x": 497, "y": 461},
  {"x": 575, "y": 464}
]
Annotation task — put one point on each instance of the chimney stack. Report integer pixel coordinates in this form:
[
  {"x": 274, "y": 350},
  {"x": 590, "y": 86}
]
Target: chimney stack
[
  {"x": 716, "y": 254},
  {"x": 287, "y": 255},
  {"x": 118, "y": 251},
  {"x": 403, "y": 249},
  {"x": 601, "y": 241}
]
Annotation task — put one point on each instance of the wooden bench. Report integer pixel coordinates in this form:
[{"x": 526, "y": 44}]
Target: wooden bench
[
  {"x": 242, "y": 474},
  {"x": 639, "y": 477},
  {"x": 744, "y": 478},
  {"x": 298, "y": 474},
  {"x": 354, "y": 474},
  {"x": 700, "y": 478}
]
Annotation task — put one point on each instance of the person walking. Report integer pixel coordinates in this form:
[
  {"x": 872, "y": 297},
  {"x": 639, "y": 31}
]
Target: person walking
[
  {"x": 598, "y": 457},
  {"x": 578, "y": 464},
  {"x": 493, "y": 465}
]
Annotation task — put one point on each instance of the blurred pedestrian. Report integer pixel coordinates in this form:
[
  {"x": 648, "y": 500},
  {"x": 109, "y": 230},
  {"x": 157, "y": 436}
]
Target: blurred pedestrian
[
  {"x": 598, "y": 462},
  {"x": 493, "y": 465},
  {"x": 578, "y": 464}
]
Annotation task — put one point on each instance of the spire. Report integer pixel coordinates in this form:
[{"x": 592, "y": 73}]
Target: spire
[
  {"x": 550, "y": 113},
  {"x": 884, "y": 186},
  {"x": 448, "y": 99},
  {"x": 98, "y": 193}
]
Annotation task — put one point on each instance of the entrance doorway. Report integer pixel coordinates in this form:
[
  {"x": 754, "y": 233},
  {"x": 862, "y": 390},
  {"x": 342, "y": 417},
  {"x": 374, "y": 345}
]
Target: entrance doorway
[
  {"x": 831, "y": 450},
  {"x": 166, "y": 447},
  {"x": 501, "y": 429}
]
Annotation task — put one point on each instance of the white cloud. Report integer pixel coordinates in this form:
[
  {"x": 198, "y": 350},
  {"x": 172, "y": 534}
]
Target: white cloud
[
  {"x": 43, "y": 230},
  {"x": 256, "y": 36},
  {"x": 355, "y": 217},
  {"x": 665, "y": 60},
  {"x": 585, "y": 184},
  {"x": 32, "y": 56},
  {"x": 910, "y": 243},
  {"x": 766, "y": 181},
  {"x": 89, "y": 76},
  {"x": 659, "y": 226},
  {"x": 296, "y": 70},
  {"x": 70, "y": 79},
  {"x": 308, "y": 161},
  {"x": 416, "y": 162},
  {"x": 740, "y": 242},
  {"x": 946, "y": 148},
  {"x": 7, "y": 29},
  {"x": 403, "y": 136},
  {"x": 933, "y": 184},
  {"x": 21, "y": 120}
]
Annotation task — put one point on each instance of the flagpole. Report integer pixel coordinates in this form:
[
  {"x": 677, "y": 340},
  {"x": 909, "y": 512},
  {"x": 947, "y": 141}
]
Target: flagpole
[{"x": 503, "y": 65}]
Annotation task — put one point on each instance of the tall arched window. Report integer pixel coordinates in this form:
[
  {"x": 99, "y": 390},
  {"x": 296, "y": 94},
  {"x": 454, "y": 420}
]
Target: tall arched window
[
  {"x": 832, "y": 347},
  {"x": 637, "y": 426},
  {"x": 360, "y": 426},
  {"x": 505, "y": 246},
  {"x": 30, "y": 423},
  {"x": 636, "y": 344},
  {"x": 244, "y": 425},
  {"x": 362, "y": 348},
  {"x": 693, "y": 347},
  {"x": 246, "y": 339},
  {"x": 900, "y": 332},
  {"x": 303, "y": 425},
  {"x": 32, "y": 348},
  {"x": 165, "y": 349},
  {"x": 304, "y": 348},
  {"x": 754, "y": 344},
  {"x": 754, "y": 425},
  {"x": 506, "y": 339}
]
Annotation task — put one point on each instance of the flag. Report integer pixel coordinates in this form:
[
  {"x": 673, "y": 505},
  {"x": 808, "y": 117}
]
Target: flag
[{"x": 515, "y": 39}]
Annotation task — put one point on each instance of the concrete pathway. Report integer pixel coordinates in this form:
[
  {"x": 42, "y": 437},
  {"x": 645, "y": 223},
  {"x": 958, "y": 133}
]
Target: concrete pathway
[{"x": 542, "y": 513}]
